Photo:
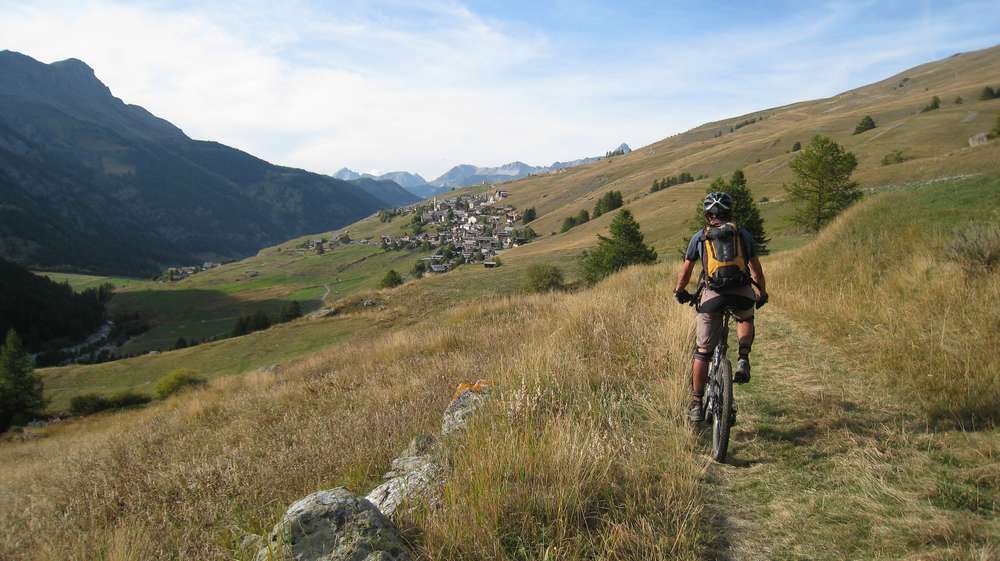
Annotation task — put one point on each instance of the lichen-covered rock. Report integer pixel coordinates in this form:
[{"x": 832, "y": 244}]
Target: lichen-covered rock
[
  {"x": 456, "y": 416},
  {"x": 333, "y": 525},
  {"x": 411, "y": 477}
]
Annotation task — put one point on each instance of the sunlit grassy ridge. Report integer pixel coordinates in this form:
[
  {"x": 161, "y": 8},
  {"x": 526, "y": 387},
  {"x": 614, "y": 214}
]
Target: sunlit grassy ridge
[{"x": 878, "y": 282}]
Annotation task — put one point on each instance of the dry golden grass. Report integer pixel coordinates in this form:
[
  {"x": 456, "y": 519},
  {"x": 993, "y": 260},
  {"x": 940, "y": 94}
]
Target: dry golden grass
[
  {"x": 877, "y": 283},
  {"x": 581, "y": 453}
]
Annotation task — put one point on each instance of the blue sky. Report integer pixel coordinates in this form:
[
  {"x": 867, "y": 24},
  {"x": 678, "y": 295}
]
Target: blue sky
[{"x": 423, "y": 85}]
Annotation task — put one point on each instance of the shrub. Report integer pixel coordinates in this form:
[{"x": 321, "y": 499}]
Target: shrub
[
  {"x": 544, "y": 278},
  {"x": 392, "y": 279},
  {"x": 176, "y": 381},
  {"x": 129, "y": 399},
  {"x": 90, "y": 403},
  {"x": 987, "y": 94},
  {"x": 976, "y": 248},
  {"x": 996, "y": 129},
  {"x": 529, "y": 215},
  {"x": 894, "y": 157},
  {"x": 764, "y": 199},
  {"x": 87, "y": 404},
  {"x": 866, "y": 124},
  {"x": 959, "y": 100},
  {"x": 933, "y": 105},
  {"x": 797, "y": 146}
]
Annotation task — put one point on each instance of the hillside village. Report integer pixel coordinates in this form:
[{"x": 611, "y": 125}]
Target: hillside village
[{"x": 462, "y": 229}]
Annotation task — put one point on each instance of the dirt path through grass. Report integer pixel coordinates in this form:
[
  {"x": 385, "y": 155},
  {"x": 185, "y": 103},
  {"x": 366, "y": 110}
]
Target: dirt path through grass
[{"x": 824, "y": 466}]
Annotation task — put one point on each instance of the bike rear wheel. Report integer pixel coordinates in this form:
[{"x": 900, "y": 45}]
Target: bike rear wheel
[{"x": 722, "y": 414}]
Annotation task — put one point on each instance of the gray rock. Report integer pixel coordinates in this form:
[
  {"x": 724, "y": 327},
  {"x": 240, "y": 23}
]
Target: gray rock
[
  {"x": 333, "y": 525},
  {"x": 411, "y": 477},
  {"x": 456, "y": 416},
  {"x": 978, "y": 139}
]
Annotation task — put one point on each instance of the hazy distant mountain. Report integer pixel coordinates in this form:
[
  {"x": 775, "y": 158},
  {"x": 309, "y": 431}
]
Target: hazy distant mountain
[
  {"x": 465, "y": 174},
  {"x": 386, "y": 190},
  {"x": 412, "y": 182},
  {"x": 88, "y": 182},
  {"x": 405, "y": 179},
  {"x": 348, "y": 174}
]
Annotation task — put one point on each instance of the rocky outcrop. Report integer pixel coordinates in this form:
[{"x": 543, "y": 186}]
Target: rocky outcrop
[
  {"x": 978, "y": 139},
  {"x": 456, "y": 416},
  {"x": 413, "y": 474},
  {"x": 336, "y": 525}
]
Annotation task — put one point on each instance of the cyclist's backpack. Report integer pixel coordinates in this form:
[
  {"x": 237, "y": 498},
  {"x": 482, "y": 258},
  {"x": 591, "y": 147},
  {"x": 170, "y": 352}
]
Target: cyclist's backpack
[{"x": 724, "y": 263}]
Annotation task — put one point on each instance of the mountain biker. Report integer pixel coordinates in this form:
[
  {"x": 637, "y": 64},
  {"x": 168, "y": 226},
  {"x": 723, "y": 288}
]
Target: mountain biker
[{"x": 729, "y": 258}]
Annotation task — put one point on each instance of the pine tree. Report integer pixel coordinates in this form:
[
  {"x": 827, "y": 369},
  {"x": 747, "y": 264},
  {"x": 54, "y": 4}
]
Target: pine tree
[
  {"x": 933, "y": 105},
  {"x": 866, "y": 124},
  {"x": 987, "y": 94},
  {"x": 625, "y": 247},
  {"x": 824, "y": 186},
  {"x": 568, "y": 224},
  {"x": 21, "y": 396},
  {"x": 529, "y": 215},
  {"x": 259, "y": 321},
  {"x": 745, "y": 212},
  {"x": 582, "y": 217}
]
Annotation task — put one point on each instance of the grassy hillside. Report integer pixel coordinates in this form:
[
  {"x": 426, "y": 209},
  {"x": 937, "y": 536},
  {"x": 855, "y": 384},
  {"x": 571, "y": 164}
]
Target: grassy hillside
[
  {"x": 935, "y": 142},
  {"x": 207, "y": 304},
  {"x": 582, "y": 451},
  {"x": 583, "y": 402}
]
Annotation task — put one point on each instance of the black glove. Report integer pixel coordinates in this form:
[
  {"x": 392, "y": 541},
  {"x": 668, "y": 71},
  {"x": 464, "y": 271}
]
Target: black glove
[
  {"x": 761, "y": 300},
  {"x": 683, "y": 296}
]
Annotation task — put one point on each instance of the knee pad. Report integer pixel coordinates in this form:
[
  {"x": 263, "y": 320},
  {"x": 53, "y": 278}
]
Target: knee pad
[{"x": 703, "y": 355}]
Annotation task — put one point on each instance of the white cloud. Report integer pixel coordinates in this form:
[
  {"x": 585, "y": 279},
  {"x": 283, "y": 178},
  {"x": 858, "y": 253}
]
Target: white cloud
[{"x": 422, "y": 86}]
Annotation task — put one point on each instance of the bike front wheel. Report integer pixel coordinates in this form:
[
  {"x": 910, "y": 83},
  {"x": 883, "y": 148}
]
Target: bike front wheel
[{"x": 722, "y": 415}]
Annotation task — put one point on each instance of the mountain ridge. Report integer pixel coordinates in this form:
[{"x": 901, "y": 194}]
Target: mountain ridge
[{"x": 90, "y": 183}]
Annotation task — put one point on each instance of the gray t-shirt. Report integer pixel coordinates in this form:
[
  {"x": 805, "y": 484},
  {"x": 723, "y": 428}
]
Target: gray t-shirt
[{"x": 694, "y": 248}]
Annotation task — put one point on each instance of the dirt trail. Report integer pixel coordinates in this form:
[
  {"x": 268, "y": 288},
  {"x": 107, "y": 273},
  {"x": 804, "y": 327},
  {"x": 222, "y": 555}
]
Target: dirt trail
[{"x": 822, "y": 466}]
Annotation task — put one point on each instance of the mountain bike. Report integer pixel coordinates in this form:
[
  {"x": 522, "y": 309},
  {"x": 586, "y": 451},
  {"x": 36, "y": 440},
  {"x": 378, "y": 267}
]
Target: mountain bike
[{"x": 720, "y": 406}]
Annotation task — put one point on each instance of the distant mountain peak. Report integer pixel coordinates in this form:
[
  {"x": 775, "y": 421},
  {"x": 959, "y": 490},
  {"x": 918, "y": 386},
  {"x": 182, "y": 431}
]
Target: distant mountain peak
[{"x": 74, "y": 64}]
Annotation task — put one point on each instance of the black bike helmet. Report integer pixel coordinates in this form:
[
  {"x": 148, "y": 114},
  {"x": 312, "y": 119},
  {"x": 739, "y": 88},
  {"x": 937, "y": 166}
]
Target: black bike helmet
[{"x": 718, "y": 204}]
